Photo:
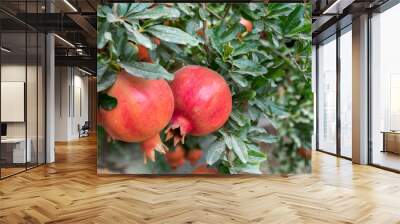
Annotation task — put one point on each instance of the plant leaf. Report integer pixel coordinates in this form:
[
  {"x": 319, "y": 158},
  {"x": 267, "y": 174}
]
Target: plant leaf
[
  {"x": 139, "y": 38},
  {"x": 266, "y": 138},
  {"x": 106, "y": 80},
  {"x": 239, "y": 148},
  {"x": 137, "y": 7},
  {"x": 173, "y": 35},
  {"x": 147, "y": 70},
  {"x": 215, "y": 151},
  {"x": 107, "y": 102},
  {"x": 157, "y": 12}
]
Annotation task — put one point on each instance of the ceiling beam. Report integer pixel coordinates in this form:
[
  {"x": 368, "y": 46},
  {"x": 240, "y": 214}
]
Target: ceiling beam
[{"x": 78, "y": 61}]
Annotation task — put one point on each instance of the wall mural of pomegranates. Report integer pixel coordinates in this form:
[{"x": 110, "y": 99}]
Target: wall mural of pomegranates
[{"x": 196, "y": 88}]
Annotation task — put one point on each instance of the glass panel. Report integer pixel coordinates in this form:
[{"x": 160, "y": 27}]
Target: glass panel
[
  {"x": 385, "y": 84},
  {"x": 346, "y": 94},
  {"x": 13, "y": 86},
  {"x": 32, "y": 96},
  {"x": 327, "y": 96},
  {"x": 22, "y": 88},
  {"x": 41, "y": 99},
  {"x": 32, "y": 86}
]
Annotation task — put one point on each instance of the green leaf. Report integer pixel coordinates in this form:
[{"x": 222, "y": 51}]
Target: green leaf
[
  {"x": 121, "y": 40},
  {"x": 129, "y": 53},
  {"x": 243, "y": 63},
  {"x": 173, "y": 35},
  {"x": 248, "y": 67},
  {"x": 103, "y": 37},
  {"x": 215, "y": 151},
  {"x": 256, "y": 157},
  {"x": 139, "y": 38},
  {"x": 266, "y": 138},
  {"x": 294, "y": 19},
  {"x": 111, "y": 18},
  {"x": 122, "y": 9},
  {"x": 246, "y": 168},
  {"x": 257, "y": 130},
  {"x": 245, "y": 48},
  {"x": 102, "y": 11},
  {"x": 215, "y": 41},
  {"x": 232, "y": 33},
  {"x": 227, "y": 139},
  {"x": 227, "y": 51},
  {"x": 157, "y": 12},
  {"x": 236, "y": 116},
  {"x": 239, "y": 79},
  {"x": 204, "y": 14},
  {"x": 192, "y": 26},
  {"x": 137, "y": 7},
  {"x": 147, "y": 70},
  {"x": 102, "y": 67},
  {"x": 107, "y": 102},
  {"x": 186, "y": 8},
  {"x": 239, "y": 148},
  {"x": 106, "y": 80}
]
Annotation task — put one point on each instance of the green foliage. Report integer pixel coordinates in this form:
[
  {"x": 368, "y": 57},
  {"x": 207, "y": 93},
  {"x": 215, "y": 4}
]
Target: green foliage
[
  {"x": 107, "y": 102},
  {"x": 267, "y": 69}
]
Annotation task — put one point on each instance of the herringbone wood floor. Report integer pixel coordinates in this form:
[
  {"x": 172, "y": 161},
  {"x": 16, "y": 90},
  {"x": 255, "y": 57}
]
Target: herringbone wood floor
[{"x": 69, "y": 191}]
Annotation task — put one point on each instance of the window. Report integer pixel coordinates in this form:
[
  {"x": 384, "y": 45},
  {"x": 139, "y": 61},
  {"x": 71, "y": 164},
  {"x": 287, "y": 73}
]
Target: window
[
  {"x": 346, "y": 92},
  {"x": 22, "y": 101},
  {"x": 327, "y": 96},
  {"x": 385, "y": 89}
]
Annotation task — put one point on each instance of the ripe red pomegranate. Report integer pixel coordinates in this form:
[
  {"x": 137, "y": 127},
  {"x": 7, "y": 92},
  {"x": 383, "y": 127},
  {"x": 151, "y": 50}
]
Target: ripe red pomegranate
[
  {"x": 203, "y": 102},
  {"x": 98, "y": 118},
  {"x": 194, "y": 155},
  {"x": 204, "y": 169},
  {"x": 143, "y": 54},
  {"x": 149, "y": 146},
  {"x": 144, "y": 107},
  {"x": 247, "y": 24}
]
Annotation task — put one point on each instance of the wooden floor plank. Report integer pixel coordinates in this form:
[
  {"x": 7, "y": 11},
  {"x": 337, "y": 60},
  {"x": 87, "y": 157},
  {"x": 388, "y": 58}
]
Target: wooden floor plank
[{"x": 69, "y": 191}]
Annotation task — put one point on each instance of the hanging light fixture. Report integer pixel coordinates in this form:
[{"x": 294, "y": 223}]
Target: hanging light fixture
[
  {"x": 5, "y": 49},
  {"x": 70, "y": 5}
]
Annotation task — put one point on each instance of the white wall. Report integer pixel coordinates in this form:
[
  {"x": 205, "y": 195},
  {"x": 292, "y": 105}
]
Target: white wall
[
  {"x": 61, "y": 103},
  {"x": 33, "y": 127},
  {"x": 71, "y": 94},
  {"x": 16, "y": 73}
]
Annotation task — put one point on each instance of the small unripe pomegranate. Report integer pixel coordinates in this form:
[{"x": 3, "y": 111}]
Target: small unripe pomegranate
[
  {"x": 203, "y": 102},
  {"x": 194, "y": 155},
  {"x": 176, "y": 164},
  {"x": 143, "y": 54},
  {"x": 263, "y": 35},
  {"x": 144, "y": 107},
  {"x": 177, "y": 154},
  {"x": 204, "y": 169},
  {"x": 156, "y": 41},
  {"x": 305, "y": 153},
  {"x": 247, "y": 24},
  {"x": 200, "y": 32},
  {"x": 176, "y": 158}
]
